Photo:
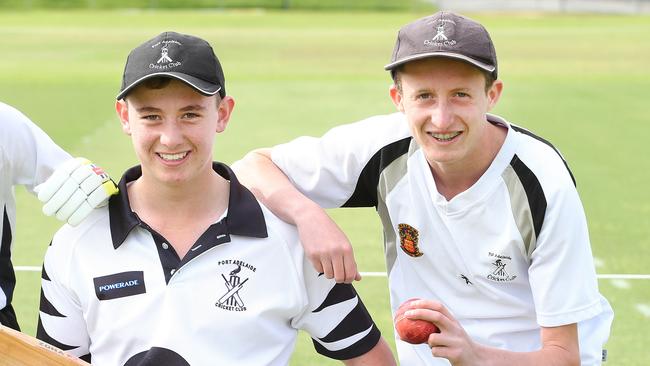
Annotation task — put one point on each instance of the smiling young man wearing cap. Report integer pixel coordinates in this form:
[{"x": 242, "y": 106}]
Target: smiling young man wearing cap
[
  {"x": 481, "y": 218},
  {"x": 185, "y": 267}
]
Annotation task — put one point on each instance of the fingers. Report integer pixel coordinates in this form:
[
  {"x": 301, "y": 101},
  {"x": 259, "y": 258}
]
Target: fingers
[
  {"x": 431, "y": 311},
  {"x": 327, "y": 247},
  {"x": 70, "y": 206},
  {"x": 318, "y": 266},
  {"x": 342, "y": 268},
  {"x": 350, "y": 267},
  {"x": 80, "y": 213},
  {"x": 328, "y": 269},
  {"x": 74, "y": 190},
  {"x": 59, "y": 197},
  {"x": 339, "y": 268},
  {"x": 58, "y": 178}
]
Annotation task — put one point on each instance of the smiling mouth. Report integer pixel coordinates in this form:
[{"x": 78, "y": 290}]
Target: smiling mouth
[
  {"x": 173, "y": 157},
  {"x": 444, "y": 136}
]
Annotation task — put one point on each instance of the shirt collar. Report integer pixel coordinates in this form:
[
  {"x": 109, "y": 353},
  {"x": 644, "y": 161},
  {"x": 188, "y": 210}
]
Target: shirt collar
[{"x": 244, "y": 216}]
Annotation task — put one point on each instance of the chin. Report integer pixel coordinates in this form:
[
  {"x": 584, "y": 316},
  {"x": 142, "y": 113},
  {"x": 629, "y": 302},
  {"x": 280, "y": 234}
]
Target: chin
[{"x": 441, "y": 158}]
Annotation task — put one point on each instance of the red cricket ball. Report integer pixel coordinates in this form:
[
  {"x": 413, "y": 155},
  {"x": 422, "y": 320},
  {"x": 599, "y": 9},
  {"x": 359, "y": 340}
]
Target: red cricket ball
[{"x": 414, "y": 331}]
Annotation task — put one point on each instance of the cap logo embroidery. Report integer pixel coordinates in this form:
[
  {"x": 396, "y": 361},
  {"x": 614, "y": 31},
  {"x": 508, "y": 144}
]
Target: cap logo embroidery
[
  {"x": 165, "y": 61},
  {"x": 440, "y": 36},
  {"x": 408, "y": 240},
  {"x": 441, "y": 39},
  {"x": 164, "y": 57}
]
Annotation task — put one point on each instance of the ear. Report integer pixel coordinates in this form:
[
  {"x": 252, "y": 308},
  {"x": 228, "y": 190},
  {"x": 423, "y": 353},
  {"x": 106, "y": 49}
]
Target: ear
[
  {"x": 122, "y": 109},
  {"x": 397, "y": 98},
  {"x": 494, "y": 93},
  {"x": 224, "y": 111}
]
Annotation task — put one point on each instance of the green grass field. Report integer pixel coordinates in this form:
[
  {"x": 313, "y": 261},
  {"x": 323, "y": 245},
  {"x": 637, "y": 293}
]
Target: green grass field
[{"x": 580, "y": 81}]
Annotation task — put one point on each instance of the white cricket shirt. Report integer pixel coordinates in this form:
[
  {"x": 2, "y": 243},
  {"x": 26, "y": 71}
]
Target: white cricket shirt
[
  {"x": 506, "y": 256},
  {"x": 27, "y": 157},
  {"x": 115, "y": 292}
]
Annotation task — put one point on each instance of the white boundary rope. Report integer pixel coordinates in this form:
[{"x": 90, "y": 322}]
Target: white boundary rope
[
  {"x": 600, "y": 276},
  {"x": 613, "y": 276}
]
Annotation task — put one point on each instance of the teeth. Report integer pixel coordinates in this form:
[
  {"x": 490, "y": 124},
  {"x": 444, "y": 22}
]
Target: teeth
[
  {"x": 172, "y": 157},
  {"x": 445, "y": 136}
]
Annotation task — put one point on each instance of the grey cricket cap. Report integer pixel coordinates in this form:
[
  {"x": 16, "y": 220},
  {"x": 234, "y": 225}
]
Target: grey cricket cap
[
  {"x": 445, "y": 34},
  {"x": 180, "y": 56}
]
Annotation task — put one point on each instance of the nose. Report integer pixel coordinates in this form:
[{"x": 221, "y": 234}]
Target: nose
[
  {"x": 441, "y": 115},
  {"x": 171, "y": 135}
]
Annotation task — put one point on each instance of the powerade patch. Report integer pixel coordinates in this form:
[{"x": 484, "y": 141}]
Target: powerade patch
[{"x": 119, "y": 285}]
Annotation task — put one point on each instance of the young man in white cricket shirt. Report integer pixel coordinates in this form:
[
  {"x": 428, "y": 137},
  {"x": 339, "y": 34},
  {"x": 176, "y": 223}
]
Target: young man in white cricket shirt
[
  {"x": 481, "y": 218},
  {"x": 71, "y": 189},
  {"x": 187, "y": 268}
]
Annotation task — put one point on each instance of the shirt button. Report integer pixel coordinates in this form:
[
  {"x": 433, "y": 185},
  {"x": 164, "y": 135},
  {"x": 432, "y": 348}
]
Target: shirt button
[
  {"x": 172, "y": 271},
  {"x": 165, "y": 246}
]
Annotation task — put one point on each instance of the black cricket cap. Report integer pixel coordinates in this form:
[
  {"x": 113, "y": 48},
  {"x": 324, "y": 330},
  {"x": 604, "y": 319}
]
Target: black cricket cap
[
  {"x": 445, "y": 34},
  {"x": 180, "y": 56}
]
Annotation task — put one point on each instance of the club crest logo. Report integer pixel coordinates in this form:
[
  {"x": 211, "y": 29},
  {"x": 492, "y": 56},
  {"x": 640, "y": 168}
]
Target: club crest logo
[
  {"x": 499, "y": 272},
  {"x": 164, "y": 60},
  {"x": 440, "y": 36},
  {"x": 230, "y": 297},
  {"x": 164, "y": 55},
  {"x": 408, "y": 240},
  {"x": 444, "y": 31}
]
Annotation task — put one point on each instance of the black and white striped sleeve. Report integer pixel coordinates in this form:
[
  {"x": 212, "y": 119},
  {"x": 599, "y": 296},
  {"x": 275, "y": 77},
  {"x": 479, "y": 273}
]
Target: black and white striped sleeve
[
  {"x": 61, "y": 322},
  {"x": 336, "y": 319}
]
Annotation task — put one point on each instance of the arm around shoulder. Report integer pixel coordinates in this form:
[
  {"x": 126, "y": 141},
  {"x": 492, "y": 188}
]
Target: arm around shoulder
[
  {"x": 270, "y": 185},
  {"x": 325, "y": 244}
]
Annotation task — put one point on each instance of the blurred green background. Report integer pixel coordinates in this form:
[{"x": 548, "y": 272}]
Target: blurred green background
[{"x": 580, "y": 81}]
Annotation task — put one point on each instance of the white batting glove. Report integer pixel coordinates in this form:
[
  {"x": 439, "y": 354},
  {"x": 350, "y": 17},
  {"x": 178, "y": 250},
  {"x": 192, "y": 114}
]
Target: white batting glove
[{"x": 74, "y": 190}]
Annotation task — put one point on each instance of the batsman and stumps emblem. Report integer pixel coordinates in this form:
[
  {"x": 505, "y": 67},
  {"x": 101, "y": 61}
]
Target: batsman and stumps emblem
[
  {"x": 164, "y": 55},
  {"x": 440, "y": 35},
  {"x": 230, "y": 297},
  {"x": 408, "y": 240}
]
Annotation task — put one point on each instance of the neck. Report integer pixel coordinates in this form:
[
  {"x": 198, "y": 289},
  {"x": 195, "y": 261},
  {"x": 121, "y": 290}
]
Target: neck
[
  {"x": 455, "y": 178},
  {"x": 155, "y": 202}
]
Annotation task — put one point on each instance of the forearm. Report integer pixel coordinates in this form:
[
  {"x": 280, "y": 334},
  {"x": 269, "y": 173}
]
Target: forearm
[
  {"x": 548, "y": 356},
  {"x": 380, "y": 355},
  {"x": 325, "y": 244},
  {"x": 268, "y": 183},
  {"x": 559, "y": 348}
]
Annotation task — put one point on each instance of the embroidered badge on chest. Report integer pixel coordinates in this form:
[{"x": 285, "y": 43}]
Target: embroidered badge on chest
[
  {"x": 499, "y": 271},
  {"x": 230, "y": 297},
  {"x": 408, "y": 240}
]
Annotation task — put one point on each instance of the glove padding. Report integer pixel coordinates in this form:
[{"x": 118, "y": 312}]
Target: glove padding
[{"x": 74, "y": 190}]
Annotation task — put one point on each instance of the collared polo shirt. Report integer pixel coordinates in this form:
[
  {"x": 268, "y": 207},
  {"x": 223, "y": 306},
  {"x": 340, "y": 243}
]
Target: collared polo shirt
[
  {"x": 27, "y": 157},
  {"x": 506, "y": 256},
  {"x": 116, "y": 293}
]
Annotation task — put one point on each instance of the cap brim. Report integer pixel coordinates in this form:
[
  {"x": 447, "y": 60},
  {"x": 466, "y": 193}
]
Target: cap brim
[
  {"x": 201, "y": 86},
  {"x": 484, "y": 66}
]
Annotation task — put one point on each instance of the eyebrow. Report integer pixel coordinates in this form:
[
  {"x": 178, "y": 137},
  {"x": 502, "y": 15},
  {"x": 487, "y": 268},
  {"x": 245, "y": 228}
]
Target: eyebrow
[
  {"x": 192, "y": 107},
  {"x": 147, "y": 109}
]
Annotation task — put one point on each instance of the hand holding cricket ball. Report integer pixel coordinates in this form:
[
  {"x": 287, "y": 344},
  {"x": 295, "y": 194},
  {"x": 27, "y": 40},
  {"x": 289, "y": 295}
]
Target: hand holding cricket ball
[{"x": 414, "y": 331}]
